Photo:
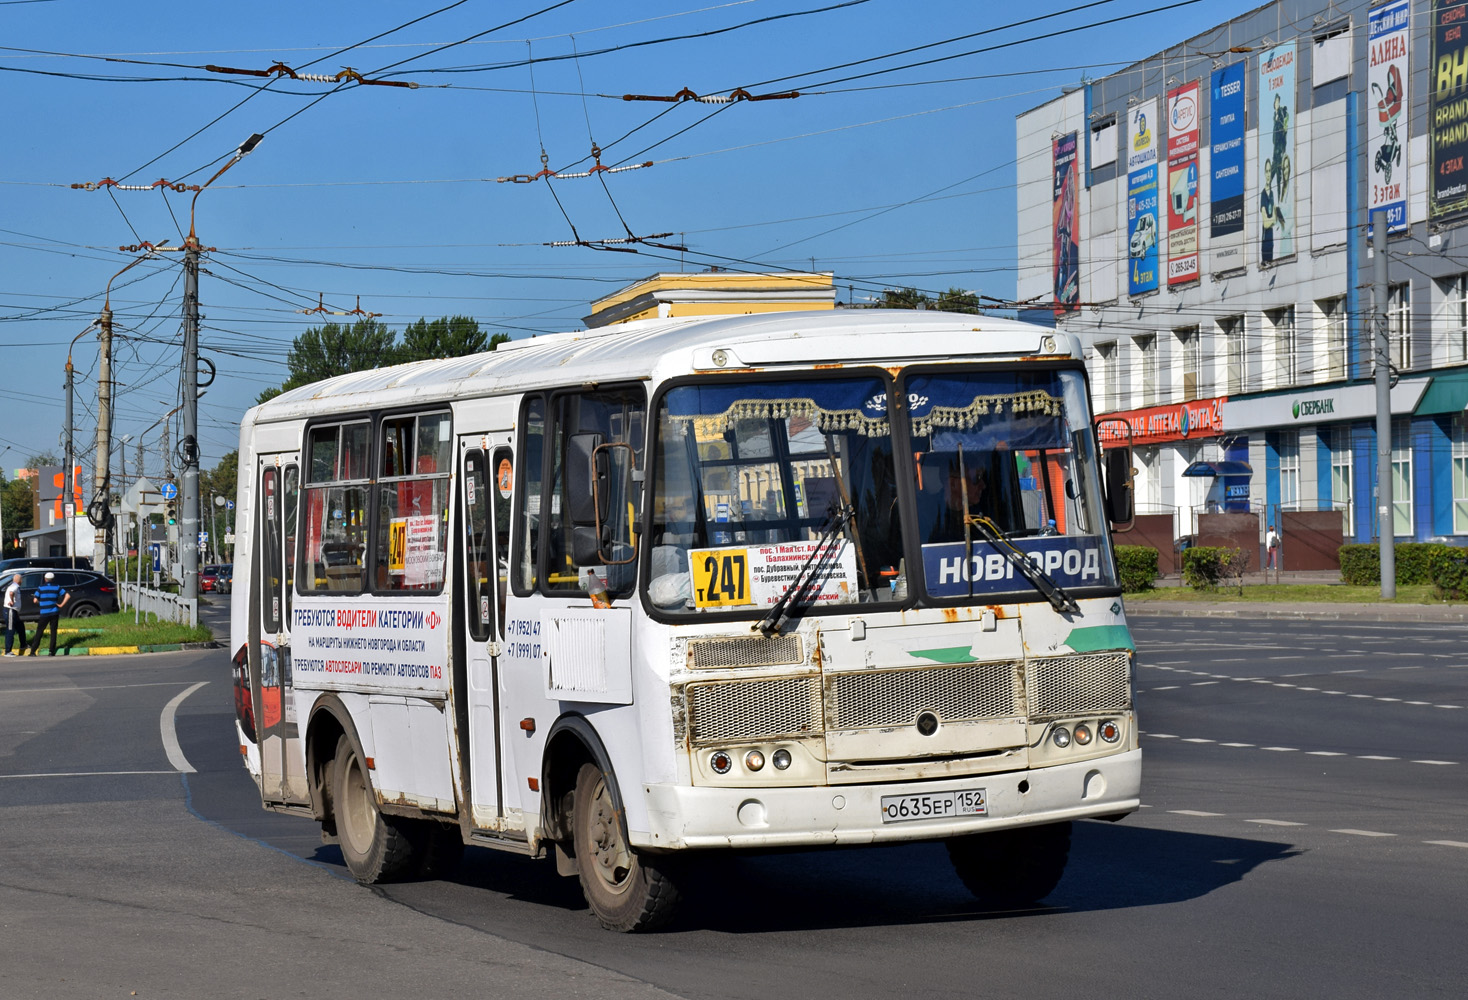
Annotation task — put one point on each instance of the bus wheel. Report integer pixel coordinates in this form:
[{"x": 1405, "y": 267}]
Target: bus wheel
[
  {"x": 627, "y": 891},
  {"x": 373, "y": 846},
  {"x": 1012, "y": 868},
  {"x": 439, "y": 849}
]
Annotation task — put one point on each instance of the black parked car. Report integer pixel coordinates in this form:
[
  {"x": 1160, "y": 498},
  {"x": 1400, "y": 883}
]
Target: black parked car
[
  {"x": 224, "y": 581},
  {"x": 91, "y": 593},
  {"x": 46, "y": 562}
]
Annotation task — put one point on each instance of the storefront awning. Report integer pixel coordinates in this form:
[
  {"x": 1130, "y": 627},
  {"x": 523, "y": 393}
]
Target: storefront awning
[
  {"x": 1447, "y": 394},
  {"x": 1226, "y": 468}
]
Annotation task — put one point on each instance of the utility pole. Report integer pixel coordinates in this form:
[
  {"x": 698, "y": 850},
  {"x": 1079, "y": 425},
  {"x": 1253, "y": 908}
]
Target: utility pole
[
  {"x": 68, "y": 502},
  {"x": 101, "y": 480},
  {"x": 1384, "y": 506},
  {"x": 188, "y": 541}
]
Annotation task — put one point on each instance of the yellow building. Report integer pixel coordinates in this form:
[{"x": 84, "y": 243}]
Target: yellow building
[{"x": 714, "y": 293}]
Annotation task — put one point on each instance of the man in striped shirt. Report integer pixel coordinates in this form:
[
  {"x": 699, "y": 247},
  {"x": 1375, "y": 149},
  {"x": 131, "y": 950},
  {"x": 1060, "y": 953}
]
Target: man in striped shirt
[{"x": 50, "y": 600}]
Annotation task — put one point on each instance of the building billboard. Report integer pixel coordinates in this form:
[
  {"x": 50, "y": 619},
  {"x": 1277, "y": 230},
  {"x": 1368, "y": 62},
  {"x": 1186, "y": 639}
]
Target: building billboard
[
  {"x": 1387, "y": 73},
  {"x": 1276, "y": 153},
  {"x": 1141, "y": 198},
  {"x": 1066, "y": 254},
  {"x": 1447, "y": 113},
  {"x": 1226, "y": 164},
  {"x": 1182, "y": 185}
]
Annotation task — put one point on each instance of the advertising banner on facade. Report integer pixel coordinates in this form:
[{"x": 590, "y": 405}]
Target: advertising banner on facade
[
  {"x": 1226, "y": 164},
  {"x": 1141, "y": 198},
  {"x": 1182, "y": 185},
  {"x": 1447, "y": 112},
  {"x": 1066, "y": 251},
  {"x": 1387, "y": 73},
  {"x": 1159, "y": 424},
  {"x": 1276, "y": 153}
]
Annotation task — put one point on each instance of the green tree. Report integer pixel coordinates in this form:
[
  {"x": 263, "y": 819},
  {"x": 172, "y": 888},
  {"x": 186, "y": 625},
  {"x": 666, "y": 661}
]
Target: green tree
[
  {"x": 18, "y": 503},
  {"x": 956, "y": 300},
  {"x": 223, "y": 479},
  {"x": 334, "y": 349},
  {"x": 445, "y": 337}
]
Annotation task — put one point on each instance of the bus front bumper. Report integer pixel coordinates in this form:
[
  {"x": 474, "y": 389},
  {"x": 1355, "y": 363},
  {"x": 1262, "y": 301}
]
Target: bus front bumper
[{"x": 681, "y": 817}]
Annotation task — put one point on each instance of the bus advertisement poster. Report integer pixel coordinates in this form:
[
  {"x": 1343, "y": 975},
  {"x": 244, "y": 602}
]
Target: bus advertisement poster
[
  {"x": 1141, "y": 199},
  {"x": 1387, "y": 73},
  {"x": 757, "y": 575},
  {"x": 346, "y": 646}
]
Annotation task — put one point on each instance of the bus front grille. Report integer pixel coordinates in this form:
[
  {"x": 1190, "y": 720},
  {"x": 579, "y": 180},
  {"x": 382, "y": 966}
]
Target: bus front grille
[
  {"x": 704, "y": 654},
  {"x": 754, "y": 710},
  {"x": 1079, "y": 685},
  {"x": 963, "y": 693}
]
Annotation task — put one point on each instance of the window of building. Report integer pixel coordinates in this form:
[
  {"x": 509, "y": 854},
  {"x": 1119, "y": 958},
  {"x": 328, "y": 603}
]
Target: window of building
[
  {"x": 1460, "y": 474},
  {"x": 1286, "y": 346},
  {"x": 1399, "y": 325},
  {"x": 1453, "y": 316},
  {"x": 1333, "y": 330},
  {"x": 1111, "y": 394},
  {"x": 1192, "y": 367},
  {"x": 1288, "y": 447},
  {"x": 1341, "y": 466},
  {"x": 1231, "y": 330},
  {"x": 1147, "y": 347},
  {"x": 1401, "y": 479}
]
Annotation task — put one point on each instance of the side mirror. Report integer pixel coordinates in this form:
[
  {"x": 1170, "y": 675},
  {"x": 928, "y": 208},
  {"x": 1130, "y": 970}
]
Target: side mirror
[
  {"x": 1119, "y": 507},
  {"x": 581, "y": 481}
]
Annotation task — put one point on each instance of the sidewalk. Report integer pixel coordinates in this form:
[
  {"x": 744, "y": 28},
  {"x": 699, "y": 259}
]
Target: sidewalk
[{"x": 1301, "y": 611}]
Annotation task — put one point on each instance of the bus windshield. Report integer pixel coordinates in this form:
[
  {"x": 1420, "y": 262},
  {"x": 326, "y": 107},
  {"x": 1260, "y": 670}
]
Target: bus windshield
[
  {"x": 751, "y": 476},
  {"x": 1008, "y": 454}
]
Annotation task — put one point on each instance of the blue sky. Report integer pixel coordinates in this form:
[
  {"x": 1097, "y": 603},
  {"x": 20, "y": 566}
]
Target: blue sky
[{"x": 904, "y": 177}]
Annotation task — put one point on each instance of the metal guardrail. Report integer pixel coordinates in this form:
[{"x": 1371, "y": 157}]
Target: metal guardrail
[{"x": 164, "y": 606}]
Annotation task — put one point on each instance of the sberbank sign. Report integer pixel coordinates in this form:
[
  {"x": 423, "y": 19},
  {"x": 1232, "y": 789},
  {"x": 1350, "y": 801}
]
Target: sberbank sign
[{"x": 1320, "y": 406}]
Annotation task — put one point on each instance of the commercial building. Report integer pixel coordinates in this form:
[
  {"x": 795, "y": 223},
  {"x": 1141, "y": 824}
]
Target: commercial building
[
  {"x": 714, "y": 293},
  {"x": 1200, "y": 219}
]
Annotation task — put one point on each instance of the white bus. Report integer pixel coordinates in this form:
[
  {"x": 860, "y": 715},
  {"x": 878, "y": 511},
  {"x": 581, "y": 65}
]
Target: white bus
[{"x": 642, "y": 593}]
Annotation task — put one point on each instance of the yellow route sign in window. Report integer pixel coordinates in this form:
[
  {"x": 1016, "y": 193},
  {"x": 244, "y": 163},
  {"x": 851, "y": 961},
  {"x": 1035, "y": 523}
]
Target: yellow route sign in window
[{"x": 721, "y": 578}]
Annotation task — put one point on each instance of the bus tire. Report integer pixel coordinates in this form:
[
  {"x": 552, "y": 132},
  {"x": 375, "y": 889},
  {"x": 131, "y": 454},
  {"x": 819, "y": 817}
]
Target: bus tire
[
  {"x": 1012, "y": 868},
  {"x": 374, "y": 846},
  {"x": 627, "y": 891}
]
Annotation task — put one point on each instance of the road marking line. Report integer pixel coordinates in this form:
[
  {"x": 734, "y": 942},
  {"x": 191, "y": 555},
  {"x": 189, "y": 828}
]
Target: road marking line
[
  {"x": 89, "y": 687},
  {"x": 1439, "y": 762},
  {"x": 1235, "y": 744},
  {"x": 1419, "y": 703},
  {"x": 1372, "y": 756},
  {"x": 1195, "y": 739},
  {"x": 1364, "y": 833},
  {"x": 1167, "y": 687},
  {"x": 1309, "y": 689},
  {"x": 1193, "y": 812},
  {"x": 1281, "y": 684},
  {"x": 1326, "y": 753},
  {"x": 170, "y": 735},
  {"x": 1281, "y": 749},
  {"x": 1199, "y": 684},
  {"x": 1332, "y": 692},
  {"x": 1446, "y": 843},
  {"x": 1360, "y": 696},
  {"x": 1358, "y": 670},
  {"x": 1447, "y": 706},
  {"x": 1286, "y": 657},
  {"x": 1388, "y": 699},
  {"x": 1273, "y": 822},
  {"x": 80, "y": 774}
]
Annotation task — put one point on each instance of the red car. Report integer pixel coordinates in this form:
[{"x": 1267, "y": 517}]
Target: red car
[{"x": 208, "y": 577}]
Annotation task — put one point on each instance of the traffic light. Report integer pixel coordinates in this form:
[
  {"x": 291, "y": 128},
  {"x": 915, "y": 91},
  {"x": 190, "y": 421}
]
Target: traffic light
[{"x": 170, "y": 510}]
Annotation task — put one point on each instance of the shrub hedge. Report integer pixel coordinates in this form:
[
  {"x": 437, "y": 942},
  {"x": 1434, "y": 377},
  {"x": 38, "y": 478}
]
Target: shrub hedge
[
  {"x": 1418, "y": 563},
  {"x": 1205, "y": 567},
  {"x": 1137, "y": 565}
]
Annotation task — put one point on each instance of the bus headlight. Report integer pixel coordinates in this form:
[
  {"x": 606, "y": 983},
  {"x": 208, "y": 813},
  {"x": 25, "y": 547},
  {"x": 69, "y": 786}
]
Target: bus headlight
[
  {"x": 721, "y": 762},
  {"x": 754, "y": 760},
  {"x": 781, "y": 759},
  {"x": 1110, "y": 731},
  {"x": 1082, "y": 734},
  {"x": 1060, "y": 737}
]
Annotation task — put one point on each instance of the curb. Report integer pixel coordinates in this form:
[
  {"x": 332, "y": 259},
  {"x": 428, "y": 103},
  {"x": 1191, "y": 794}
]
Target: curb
[
  {"x": 166, "y": 647},
  {"x": 1367, "y": 614}
]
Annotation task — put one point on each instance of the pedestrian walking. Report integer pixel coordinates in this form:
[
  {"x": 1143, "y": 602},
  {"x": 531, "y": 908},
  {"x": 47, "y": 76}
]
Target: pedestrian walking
[
  {"x": 13, "y": 622},
  {"x": 50, "y": 599},
  {"x": 1271, "y": 543}
]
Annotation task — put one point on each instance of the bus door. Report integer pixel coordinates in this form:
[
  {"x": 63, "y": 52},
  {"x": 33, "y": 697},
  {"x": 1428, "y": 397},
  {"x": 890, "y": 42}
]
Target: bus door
[
  {"x": 487, "y": 481},
  {"x": 282, "y": 760}
]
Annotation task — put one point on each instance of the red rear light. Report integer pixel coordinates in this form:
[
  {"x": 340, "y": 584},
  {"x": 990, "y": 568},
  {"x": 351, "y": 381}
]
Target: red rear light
[{"x": 105, "y": 590}]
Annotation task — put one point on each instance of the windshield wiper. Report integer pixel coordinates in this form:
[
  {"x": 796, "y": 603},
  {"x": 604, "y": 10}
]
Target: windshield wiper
[
  {"x": 798, "y": 592},
  {"x": 996, "y": 537}
]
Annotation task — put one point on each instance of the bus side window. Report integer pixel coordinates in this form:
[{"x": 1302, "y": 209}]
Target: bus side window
[
  {"x": 503, "y": 469},
  {"x": 477, "y": 554},
  {"x": 270, "y": 549},
  {"x": 532, "y": 454},
  {"x": 290, "y": 498}
]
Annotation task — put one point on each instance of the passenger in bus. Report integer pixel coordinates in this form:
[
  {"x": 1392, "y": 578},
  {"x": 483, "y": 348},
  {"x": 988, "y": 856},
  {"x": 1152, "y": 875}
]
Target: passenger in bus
[{"x": 941, "y": 492}]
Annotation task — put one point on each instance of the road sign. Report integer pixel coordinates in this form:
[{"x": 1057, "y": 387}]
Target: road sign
[
  {"x": 169, "y": 490},
  {"x": 229, "y": 505},
  {"x": 157, "y": 557}
]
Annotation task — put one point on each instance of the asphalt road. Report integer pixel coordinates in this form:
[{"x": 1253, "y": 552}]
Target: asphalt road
[{"x": 1305, "y": 834}]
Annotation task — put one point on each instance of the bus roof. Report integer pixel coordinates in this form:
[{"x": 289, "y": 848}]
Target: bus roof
[{"x": 660, "y": 346}]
